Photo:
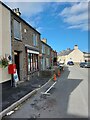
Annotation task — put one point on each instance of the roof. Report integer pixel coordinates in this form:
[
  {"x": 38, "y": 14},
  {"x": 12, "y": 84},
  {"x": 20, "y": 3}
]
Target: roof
[
  {"x": 86, "y": 52},
  {"x": 45, "y": 44},
  {"x": 19, "y": 17},
  {"x": 65, "y": 52}
]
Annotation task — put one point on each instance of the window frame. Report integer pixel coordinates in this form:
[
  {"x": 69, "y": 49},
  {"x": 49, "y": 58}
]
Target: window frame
[
  {"x": 43, "y": 48},
  {"x": 35, "y": 42},
  {"x": 33, "y": 62},
  {"x": 15, "y": 36}
]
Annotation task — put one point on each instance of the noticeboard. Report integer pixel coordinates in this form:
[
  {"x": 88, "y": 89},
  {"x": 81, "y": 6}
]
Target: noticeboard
[{"x": 15, "y": 77}]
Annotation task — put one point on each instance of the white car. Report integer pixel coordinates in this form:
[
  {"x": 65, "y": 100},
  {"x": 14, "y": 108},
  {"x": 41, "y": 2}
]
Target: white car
[{"x": 61, "y": 64}]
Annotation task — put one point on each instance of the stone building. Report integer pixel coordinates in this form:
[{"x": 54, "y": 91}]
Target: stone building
[
  {"x": 53, "y": 57},
  {"x": 19, "y": 40},
  {"x": 45, "y": 59},
  {"x": 22, "y": 44}
]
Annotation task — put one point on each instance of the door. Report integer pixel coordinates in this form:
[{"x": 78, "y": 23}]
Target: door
[
  {"x": 43, "y": 63},
  {"x": 16, "y": 58}
]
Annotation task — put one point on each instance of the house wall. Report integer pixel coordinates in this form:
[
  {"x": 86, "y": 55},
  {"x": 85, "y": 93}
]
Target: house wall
[
  {"x": 61, "y": 59},
  {"x": 87, "y": 56},
  {"x": 5, "y": 40},
  {"x": 76, "y": 56},
  {"x": 46, "y": 57},
  {"x": 20, "y": 45}
]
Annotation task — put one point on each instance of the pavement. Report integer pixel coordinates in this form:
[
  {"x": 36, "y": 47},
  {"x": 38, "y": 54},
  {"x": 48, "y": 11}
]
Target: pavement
[
  {"x": 10, "y": 96},
  {"x": 13, "y": 97}
]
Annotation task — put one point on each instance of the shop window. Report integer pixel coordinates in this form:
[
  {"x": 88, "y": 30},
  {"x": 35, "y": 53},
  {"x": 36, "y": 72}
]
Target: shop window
[{"x": 32, "y": 62}]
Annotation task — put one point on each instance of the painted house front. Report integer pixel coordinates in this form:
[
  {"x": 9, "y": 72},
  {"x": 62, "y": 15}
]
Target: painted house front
[
  {"x": 86, "y": 56},
  {"x": 74, "y": 55},
  {"x": 5, "y": 41}
]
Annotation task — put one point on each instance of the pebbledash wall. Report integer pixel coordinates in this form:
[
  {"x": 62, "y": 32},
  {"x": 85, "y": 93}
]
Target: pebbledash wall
[{"x": 5, "y": 40}]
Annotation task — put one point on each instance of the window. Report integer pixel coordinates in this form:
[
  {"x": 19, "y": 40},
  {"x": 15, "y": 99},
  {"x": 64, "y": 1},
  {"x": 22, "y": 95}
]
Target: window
[
  {"x": 47, "y": 62},
  {"x": 17, "y": 30},
  {"x": 34, "y": 40},
  {"x": 48, "y": 51},
  {"x": 43, "y": 48},
  {"x": 32, "y": 62},
  {"x": 29, "y": 61}
]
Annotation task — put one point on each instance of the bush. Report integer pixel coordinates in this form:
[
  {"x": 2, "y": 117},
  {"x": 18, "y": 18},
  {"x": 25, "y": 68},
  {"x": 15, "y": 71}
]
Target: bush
[{"x": 4, "y": 62}]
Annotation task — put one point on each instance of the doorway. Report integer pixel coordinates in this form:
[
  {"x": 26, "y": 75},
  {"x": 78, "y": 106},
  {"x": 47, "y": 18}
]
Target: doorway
[{"x": 16, "y": 59}]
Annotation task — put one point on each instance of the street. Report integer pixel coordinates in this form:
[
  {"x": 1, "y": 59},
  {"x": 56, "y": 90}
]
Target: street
[{"x": 68, "y": 99}]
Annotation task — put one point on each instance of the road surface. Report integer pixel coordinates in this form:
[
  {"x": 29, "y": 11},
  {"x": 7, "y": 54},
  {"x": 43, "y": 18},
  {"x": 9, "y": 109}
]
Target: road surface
[{"x": 68, "y": 99}]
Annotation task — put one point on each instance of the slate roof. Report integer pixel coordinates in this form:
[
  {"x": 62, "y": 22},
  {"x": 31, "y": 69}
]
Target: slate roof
[{"x": 65, "y": 52}]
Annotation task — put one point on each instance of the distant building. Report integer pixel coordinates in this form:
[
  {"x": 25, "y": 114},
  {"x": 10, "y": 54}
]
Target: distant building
[
  {"x": 86, "y": 56},
  {"x": 74, "y": 55}
]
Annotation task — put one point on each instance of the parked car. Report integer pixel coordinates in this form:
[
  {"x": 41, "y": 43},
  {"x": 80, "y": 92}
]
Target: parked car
[
  {"x": 82, "y": 64},
  {"x": 85, "y": 64},
  {"x": 61, "y": 64},
  {"x": 70, "y": 63}
]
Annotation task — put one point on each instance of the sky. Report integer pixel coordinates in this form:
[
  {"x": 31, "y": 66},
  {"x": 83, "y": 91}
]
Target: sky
[{"x": 63, "y": 24}]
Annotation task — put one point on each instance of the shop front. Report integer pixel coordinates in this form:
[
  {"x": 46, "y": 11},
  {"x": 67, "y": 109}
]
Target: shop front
[{"x": 32, "y": 62}]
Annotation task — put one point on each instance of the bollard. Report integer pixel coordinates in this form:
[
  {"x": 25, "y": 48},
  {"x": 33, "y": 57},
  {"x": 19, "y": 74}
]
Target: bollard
[
  {"x": 54, "y": 77},
  {"x": 58, "y": 73}
]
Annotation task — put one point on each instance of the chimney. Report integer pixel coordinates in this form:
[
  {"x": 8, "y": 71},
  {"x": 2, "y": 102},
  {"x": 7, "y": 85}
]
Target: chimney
[
  {"x": 44, "y": 40},
  {"x": 75, "y": 47},
  {"x": 16, "y": 10}
]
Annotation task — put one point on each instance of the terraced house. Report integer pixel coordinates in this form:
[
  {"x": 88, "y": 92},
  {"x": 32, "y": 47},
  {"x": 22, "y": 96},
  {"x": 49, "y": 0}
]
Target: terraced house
[
  {"x": 53, "y": 57},
  {"x": 22, "y": 45},
  {"x": 46, "y": 55}
]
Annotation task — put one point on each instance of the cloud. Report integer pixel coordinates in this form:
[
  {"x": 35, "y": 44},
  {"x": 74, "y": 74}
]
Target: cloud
[
  {"x": 33, "y": 21},
  {"x": 45, "y": 0},
  {"x": 71, "y": 0},
  {"x": 84, "y": 27},
  {"x": 76, "y": 16},
  {"x": 39, "y": 29},
  {"x": 29, "y": 11},
  {"x": 27, "y": 0},
  {"x": 27, "y": 8}
]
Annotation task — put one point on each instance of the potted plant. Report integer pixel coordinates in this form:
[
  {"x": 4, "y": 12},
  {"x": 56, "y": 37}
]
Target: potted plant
[{"x": 4, "y": 62}]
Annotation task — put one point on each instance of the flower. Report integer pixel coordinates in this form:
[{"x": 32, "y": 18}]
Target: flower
[{"x": 4, "y": 62}]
